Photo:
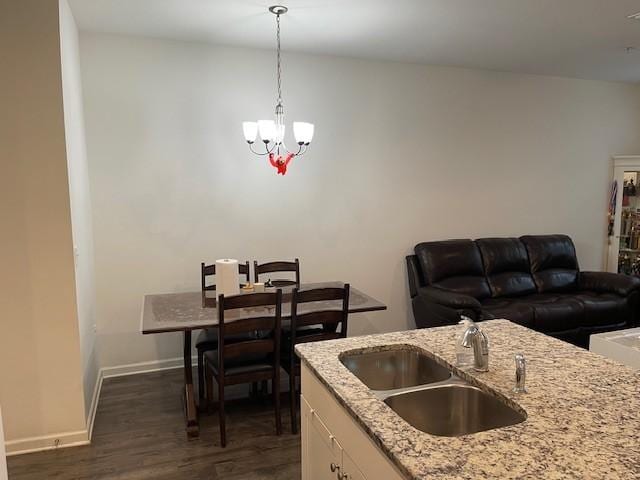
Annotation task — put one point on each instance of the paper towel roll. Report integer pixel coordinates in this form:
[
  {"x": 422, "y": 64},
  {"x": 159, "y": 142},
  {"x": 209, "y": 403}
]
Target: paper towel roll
[{"x": 227, "y": 278}]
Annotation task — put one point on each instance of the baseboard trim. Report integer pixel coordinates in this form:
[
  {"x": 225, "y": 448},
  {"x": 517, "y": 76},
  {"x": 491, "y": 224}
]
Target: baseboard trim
[
  {"x": 47, "y": 442},
  {"x": 144, "y": 367},
  {"x": 83, "y": 437},
  {"x": 124, "y": 370},
  {"x": 95, "y": 400}
]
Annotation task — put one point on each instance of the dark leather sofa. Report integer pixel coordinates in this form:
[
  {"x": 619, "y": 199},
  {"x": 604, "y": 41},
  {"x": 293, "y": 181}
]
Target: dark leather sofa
[{"x": 533, "y": 280}]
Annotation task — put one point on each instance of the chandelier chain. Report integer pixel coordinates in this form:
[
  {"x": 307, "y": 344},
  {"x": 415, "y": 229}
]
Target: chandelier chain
[{"x": 279, "y": 68}]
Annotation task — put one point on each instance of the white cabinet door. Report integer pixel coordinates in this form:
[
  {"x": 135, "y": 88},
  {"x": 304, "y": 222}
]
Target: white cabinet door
[
  {"x": 321, "y": 454},
  {"x": 349, "y": 468}
]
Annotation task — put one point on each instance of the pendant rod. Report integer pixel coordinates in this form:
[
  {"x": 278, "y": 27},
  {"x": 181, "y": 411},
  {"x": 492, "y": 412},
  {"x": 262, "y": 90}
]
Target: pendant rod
[{"x": 279, "y": 64}]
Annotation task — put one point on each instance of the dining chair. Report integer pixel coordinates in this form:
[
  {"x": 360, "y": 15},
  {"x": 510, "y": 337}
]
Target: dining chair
[
  {"x": 208, "y": 338},
  {"x": 314, "y": 326},
  {"x": 243, "y": 360},
  {"x": 278, "y": 267}
]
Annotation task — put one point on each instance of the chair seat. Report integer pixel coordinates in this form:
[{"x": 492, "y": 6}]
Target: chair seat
[
  {"x": 245, "y": 364},
  {"x": 208, "y": 339}
]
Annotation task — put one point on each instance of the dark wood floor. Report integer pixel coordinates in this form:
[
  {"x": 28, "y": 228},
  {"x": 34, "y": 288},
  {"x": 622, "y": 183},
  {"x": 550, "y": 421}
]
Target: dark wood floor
[{"x": 139, "y": 434}]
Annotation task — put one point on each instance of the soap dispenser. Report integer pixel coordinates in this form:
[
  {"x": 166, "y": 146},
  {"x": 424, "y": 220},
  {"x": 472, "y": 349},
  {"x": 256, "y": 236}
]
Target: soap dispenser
[{"x": 464, "y": 351}]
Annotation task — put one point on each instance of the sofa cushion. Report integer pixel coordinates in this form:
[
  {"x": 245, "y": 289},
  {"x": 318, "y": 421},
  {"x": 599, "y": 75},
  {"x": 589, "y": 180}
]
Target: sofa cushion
[
  {"x": 602, "y": 309},
  {"x": 454, "y": 265},
  {"x": 506, "y": 265},
  {"x": 555, "y": 313},
  {"x": 553, "y": 262},
  {"x": 519, "y": 313}
]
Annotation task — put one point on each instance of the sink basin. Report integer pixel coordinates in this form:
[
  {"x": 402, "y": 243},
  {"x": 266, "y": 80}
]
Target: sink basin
[
  {"x": 392, "y": 369},
  {"x": 453, "y": 410}
]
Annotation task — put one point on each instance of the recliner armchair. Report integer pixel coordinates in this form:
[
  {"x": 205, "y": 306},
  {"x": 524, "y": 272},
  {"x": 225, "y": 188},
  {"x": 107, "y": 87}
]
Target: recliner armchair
[{"x": 533, "y": 281}]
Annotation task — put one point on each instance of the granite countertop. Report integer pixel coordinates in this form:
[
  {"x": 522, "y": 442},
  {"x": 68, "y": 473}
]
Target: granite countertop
[{"x": 583, "y": 411}]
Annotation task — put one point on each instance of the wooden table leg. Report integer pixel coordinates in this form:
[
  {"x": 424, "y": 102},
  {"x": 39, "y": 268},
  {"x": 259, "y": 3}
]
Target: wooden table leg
[{"x": 189, "y": 398}]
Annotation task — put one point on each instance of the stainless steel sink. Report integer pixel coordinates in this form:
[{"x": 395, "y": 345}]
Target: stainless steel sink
[
  {"x": 453, "y": 410},
  {"x": 393, "y": 369}
]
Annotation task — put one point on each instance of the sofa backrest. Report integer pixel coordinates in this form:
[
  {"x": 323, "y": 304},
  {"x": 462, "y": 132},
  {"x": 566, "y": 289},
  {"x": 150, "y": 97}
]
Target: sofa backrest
[
  {"x": 506, "y": 265},
  {"x": 454, "y": 265},
  {"x": 553, "y": 262}
]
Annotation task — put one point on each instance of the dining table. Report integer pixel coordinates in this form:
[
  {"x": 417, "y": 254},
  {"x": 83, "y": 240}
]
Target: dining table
[{"x": 188, "y": 311}]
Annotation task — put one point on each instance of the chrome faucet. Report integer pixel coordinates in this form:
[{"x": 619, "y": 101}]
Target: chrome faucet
[
  {"x": 475, "y": 338},
  {"x": 521, "y": 373}
]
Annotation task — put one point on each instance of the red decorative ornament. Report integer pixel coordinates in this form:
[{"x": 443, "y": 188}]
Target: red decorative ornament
[{"x": 280, "y": 163}]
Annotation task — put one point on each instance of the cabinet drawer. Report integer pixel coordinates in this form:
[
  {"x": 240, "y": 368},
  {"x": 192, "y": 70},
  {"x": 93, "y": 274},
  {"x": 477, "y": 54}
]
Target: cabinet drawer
[
  {"x": 350, "y": 469},
  {"x": 321, "y": 429},
  {"x": 321, "y": 453}
]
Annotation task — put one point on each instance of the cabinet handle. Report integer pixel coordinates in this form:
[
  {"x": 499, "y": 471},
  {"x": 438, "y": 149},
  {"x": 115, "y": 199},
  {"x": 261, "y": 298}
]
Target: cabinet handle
[
  {"x": 343, "y": 476},
  {"x": 334, "y": 467}
]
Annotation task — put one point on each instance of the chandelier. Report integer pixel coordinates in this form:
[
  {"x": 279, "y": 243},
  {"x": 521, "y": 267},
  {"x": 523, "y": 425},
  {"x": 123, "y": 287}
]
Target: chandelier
[{"x": 272, "y": 132}]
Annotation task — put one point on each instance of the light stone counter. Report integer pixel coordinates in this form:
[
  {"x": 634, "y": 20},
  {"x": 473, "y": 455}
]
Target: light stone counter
[
  {"x": 622, "y": 346},
  {"x": 583, "y": 411}
]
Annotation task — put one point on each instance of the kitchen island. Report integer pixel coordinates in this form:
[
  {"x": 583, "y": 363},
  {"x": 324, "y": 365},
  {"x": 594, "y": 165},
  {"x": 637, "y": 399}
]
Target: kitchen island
[{"x": 582, "y": 413}]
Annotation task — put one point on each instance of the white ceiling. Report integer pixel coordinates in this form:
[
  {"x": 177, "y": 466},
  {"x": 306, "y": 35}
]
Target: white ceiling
[{"x": 574, "y": 38}]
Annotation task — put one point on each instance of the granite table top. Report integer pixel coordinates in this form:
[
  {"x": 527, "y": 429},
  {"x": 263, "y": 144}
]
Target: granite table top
[
  {"x": 175, "y": 312},
  {"x": 583, "y": 410}
]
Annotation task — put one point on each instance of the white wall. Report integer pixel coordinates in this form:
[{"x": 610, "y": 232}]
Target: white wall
[
  {"x": 41, "y": 389},
  {"x": 80, "y": 197},
  {"x": 403, "y": 153}
]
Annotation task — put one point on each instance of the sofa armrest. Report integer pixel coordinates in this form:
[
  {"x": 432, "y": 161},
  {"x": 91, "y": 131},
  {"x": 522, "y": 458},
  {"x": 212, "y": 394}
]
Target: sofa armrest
[
  {"x": 607, "y": 282},
  {"x": 451, "y": 299},
  {"x": 428, "y": 314},
  {"x": 413, "y": 272}
]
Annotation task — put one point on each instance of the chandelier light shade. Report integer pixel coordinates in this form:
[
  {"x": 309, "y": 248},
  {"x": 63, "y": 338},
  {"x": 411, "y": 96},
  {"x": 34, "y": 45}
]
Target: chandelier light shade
[
  {"x": 272, "y": 132},
  {"x": 250, "y": 130},
  {"x": 303, "y": 132}
]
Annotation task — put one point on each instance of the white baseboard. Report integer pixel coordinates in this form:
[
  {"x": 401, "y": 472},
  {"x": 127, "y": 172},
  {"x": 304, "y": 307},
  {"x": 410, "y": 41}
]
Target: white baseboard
[
  {"x": 144, "y": 367},
  {"x": 4, "y": 475},
  {"x": 123, "y": 370},
  {"x": 95, "y": 400},
  {"x": 83, "y": 437},
  {"x": 47, "y": 442}
]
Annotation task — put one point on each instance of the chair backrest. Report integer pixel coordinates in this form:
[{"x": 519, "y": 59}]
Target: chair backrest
[
  {"x": 278, "y": 267},
  {"x": 210, "y": 270},
  {"x": 330, "y": 318},
  {"x": 266, "y": 317}
]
